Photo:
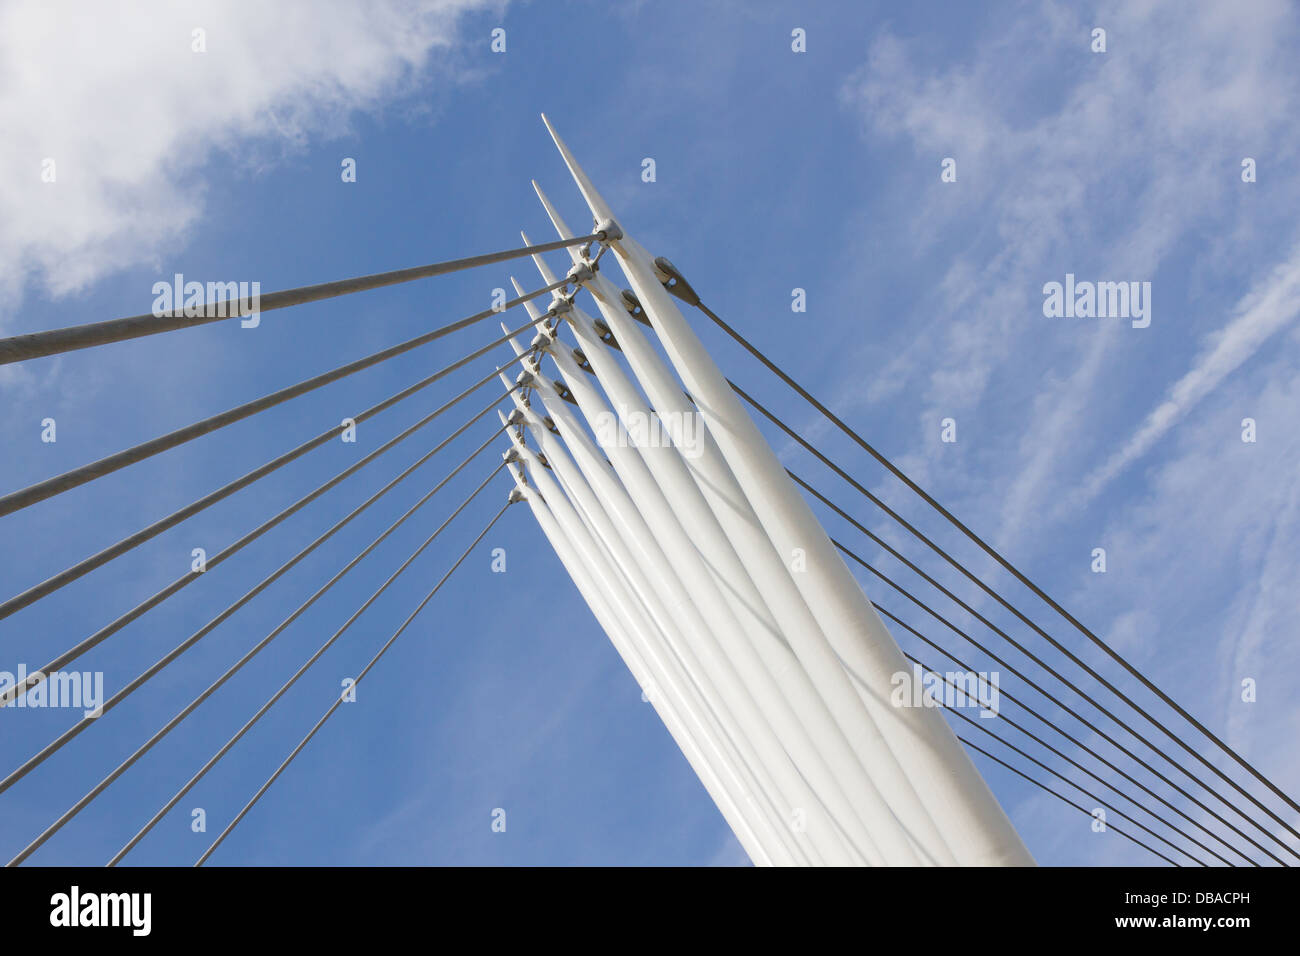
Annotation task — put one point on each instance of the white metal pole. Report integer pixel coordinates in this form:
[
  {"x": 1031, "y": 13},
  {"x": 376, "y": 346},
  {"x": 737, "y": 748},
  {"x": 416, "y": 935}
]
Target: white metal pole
[
  {"x": 754, "y": 642},
  {"x": 642, "y": 637},
  {"x": 619, "y": 526},
  {"x": 699, "y": 651},
  {"x": 701, "y": 574},
  {"x": 746, "y": 673},
  {"x": 613, "y": 629},
  {"x": 950, "y": 788},
  {"x": 756, "y": 582},
  {"x": 680, "y": 663}
]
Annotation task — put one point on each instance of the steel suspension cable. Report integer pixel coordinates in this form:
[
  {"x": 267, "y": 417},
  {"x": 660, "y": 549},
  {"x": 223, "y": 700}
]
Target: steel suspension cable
[
  {"x": 1044, "y": 720},
  {"x": 1063, "y": 756},
  {"x": 52, "y": 584},
  {"x": 947, "y": 679},
  {"x": 1042, "y": 691},
  {"x": 239, "y": 664},
  {"x": 857, "y": 486},
  {"x": 1038, "y": 687},
  {"x": 190, "y": 641},
  {"x": 1061, "y": 797},
  {"x": 338, "y": 700},
  {"x": 230, "y": 550},
  {"x": 1064, "y": 706},
  {"x": 19, "y": 348},
  {"x": 50, "y": 487},
  {"x": 1023, "y": 579},
  {"x": 225, "y": 748}
]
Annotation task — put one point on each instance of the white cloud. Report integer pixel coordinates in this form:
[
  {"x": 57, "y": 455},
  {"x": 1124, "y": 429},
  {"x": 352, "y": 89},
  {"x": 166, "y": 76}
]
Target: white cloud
[{"x": 116, "y": 96}]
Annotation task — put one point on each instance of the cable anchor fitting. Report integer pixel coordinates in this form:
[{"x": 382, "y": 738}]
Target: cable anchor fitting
[
  {"x": 609, "y": 231},
  {"x": 633, "y": 306},
  {"x": 674, "y": 282},
  {"x": 580, "y": 273},
  {"x": 541, "y": 342}
]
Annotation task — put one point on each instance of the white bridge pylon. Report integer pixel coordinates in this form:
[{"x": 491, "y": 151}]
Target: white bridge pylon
[{"x": 679, "y": 526}]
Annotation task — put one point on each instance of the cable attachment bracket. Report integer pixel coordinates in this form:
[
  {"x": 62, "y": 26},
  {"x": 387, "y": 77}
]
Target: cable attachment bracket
[
  {"x": 674, "y": 282},
  {"x": 580, "y": 273},
  {"x": 633, "y": 306},
  {"x": 525, "y": 379},
  {"x": 541, "y": 342},
  {"x": 609, "y": 231}
]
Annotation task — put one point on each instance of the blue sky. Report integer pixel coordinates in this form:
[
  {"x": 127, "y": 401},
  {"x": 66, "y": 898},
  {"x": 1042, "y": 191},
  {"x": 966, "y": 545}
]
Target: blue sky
[{"x": 775, "y": 170}]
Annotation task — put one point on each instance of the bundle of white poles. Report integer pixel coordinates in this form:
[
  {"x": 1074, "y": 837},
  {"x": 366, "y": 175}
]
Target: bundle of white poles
[{"x": 722, "y": 592}]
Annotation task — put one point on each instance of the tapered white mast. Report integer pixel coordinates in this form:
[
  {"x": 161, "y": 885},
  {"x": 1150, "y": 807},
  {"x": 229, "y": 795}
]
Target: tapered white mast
[{"x": 716, "y": 579}]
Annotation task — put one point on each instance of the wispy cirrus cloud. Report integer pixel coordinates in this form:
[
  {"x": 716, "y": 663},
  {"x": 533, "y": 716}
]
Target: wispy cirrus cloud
[
  {"x": 1088, "y": 163},
  {"x": 1260, "y": 315},
  {"x": 1121, "y": 166}
]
